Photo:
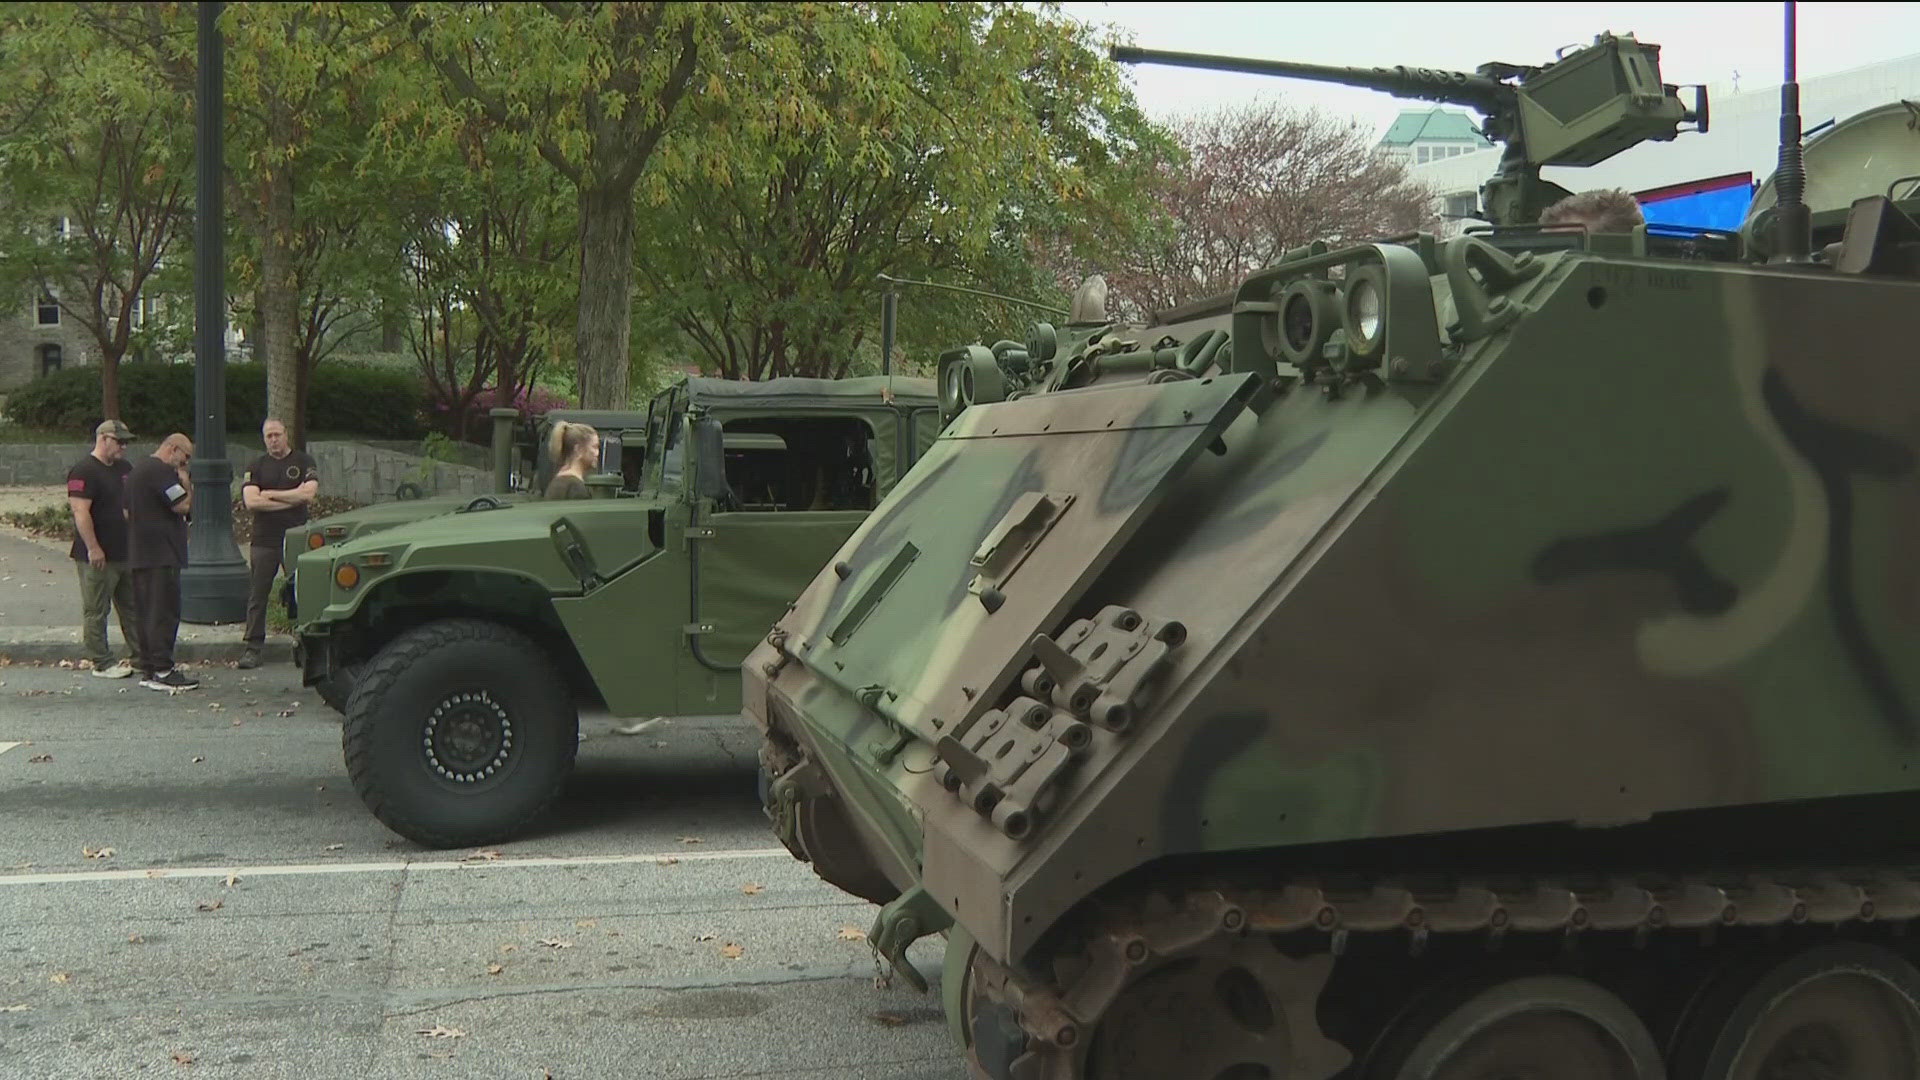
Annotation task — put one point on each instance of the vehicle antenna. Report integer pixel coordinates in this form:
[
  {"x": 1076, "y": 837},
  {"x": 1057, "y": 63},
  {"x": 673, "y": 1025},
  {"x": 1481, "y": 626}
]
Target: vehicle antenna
[{"x": 1792, "y": 221}]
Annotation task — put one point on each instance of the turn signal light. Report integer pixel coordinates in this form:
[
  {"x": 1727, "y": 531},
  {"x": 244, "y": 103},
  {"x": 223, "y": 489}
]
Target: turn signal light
[
  {"x": 347, "y": 576},
  {"x": 315, "y": 540}
]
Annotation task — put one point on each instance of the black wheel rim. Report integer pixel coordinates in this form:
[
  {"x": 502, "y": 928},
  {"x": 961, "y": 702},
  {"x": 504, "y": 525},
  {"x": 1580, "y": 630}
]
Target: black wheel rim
[{"x": 468, "y": 737}]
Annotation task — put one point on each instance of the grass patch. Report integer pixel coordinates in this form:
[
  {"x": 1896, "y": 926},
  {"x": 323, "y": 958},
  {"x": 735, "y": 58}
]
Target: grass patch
[{"x": 50, "y": 522}]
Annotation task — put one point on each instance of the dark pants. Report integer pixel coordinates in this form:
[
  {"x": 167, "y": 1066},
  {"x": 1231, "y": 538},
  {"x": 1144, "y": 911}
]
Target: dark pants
[
  {"x": 109, "y": 586},
  {"x": 156, "y": 597},
  {"x": 263, "y": 567}
]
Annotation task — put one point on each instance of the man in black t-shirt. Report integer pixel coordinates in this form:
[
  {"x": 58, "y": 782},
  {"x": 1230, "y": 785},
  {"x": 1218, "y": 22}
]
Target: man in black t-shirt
[
  {"x": 278, "y": 486},
  {"x": 159, "y": 498},
  {"x": 95, "y": 489}
]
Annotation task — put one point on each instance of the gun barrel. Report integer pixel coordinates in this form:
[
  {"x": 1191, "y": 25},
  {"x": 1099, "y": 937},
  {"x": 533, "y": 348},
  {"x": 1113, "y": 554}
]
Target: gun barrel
[{"x": 1426, "y": 84}]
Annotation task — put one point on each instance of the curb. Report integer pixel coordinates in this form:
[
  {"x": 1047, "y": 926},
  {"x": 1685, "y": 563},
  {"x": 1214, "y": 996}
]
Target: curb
[{"x": 217, "y": 645}]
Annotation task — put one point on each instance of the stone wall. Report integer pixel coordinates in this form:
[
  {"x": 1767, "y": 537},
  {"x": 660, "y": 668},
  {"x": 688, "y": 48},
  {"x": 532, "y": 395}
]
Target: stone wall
[{"x": 365, "y": 474}]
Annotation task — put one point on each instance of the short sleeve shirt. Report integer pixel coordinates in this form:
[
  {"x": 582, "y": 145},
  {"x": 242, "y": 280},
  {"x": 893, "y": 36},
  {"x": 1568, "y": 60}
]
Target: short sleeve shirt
[
  {"x": 157, "y": 534},
  {"x": 564, "y": 486},
  {"x": 269, "y": 473},
  {"x": 104, "y": 486}
]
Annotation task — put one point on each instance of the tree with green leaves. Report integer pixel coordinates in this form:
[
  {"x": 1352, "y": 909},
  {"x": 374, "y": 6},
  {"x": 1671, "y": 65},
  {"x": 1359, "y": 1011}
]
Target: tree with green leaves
[
  {"x": 297, "y": 169},
  {"x": 98, "y": 173},
  {"x": 592, "y": 89},
  {"x": 913, "y": 140}
]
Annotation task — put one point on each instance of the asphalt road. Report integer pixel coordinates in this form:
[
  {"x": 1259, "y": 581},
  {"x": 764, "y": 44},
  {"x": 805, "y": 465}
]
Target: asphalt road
[{"x": 253, "y": 920}]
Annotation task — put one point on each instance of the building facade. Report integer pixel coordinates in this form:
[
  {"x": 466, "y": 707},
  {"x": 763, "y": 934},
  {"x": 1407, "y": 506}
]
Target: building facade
[{"x": 37, "y": 338}]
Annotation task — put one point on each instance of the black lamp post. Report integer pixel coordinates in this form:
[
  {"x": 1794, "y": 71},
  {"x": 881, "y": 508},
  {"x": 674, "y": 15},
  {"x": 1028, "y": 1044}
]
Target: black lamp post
[{"x": 213, "y": 587}]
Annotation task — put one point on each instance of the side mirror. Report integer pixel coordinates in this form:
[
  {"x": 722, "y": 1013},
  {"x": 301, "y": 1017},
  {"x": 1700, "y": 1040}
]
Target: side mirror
[{"x": 709, "y": 460}]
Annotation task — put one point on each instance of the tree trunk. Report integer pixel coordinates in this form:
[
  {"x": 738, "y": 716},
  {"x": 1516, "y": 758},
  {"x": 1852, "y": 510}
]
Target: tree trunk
[
  {"x": 297, "y": 423},
  {"x": 392, "y": 324},
  {"x": 279, "y": 308},
  {"x": 109, "y": 385},
  {"x": 279, "y": 296},
  {"x": 602, "y": 355}
]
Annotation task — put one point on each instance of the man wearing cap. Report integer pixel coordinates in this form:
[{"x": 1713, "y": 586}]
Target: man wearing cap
[{"x": 96, "y": 492}]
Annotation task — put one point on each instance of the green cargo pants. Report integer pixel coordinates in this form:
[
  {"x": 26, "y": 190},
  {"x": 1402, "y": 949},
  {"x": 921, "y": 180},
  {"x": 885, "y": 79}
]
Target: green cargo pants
[{"x": 111, "y": 585}]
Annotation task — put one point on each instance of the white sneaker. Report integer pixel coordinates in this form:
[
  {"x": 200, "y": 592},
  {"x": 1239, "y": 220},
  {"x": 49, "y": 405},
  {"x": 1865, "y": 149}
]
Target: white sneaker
[{"x": 118, "y": 671}]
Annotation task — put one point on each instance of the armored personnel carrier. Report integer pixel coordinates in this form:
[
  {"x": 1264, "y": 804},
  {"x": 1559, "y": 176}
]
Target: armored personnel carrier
[
  {"x": 1483, "y": 657},
  {"x": 471, "y": 639}
]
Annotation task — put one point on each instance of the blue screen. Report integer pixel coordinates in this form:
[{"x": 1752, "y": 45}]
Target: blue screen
[{"x": 1724, "y": 208}]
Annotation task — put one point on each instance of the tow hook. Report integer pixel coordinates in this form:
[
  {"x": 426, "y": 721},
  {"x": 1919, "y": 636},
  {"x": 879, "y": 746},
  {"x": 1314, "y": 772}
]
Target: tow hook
[{"x": 912, "y": 916}]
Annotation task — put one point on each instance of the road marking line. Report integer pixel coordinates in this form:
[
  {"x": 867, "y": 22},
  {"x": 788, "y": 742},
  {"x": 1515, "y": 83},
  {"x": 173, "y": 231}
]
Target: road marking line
[
  {"x": 287, "y": 870},
  {"x": 6, "y": 746}
]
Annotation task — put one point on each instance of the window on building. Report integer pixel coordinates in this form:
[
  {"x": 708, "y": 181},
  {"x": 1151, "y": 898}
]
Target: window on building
[
  {"x": 1459, "y": 205},
  {"x": 48, "y": 312},
  {"x": 49, "y": 359}
]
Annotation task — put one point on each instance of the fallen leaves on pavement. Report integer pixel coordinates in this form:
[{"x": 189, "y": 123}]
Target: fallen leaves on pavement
[
  {"x": 40, "y": 759},
  {"x": 667, "y": 860},
  {"x": 753, "y": 888},
  {"x": 691, "y": 840},
  {"x": 489, "y": 855},
  {"x": 215, "y": 905},
  {"x": 61, "y": 977},
  {"x": 852, "y": 933},
  {"x": 731, "y": 951},
  {"x": 97, "y": 852},
  {"x": 232, "y": 880},
  {"x": 335, "y": 847},
  {"x": 495, "y": 969},
  {"x": 554, "y": 943},
  {"x": 136, "y": 939},
  {"x": 183, "y": 1059},
  {"x": 887, "y": 1019},
  {"x": 703, "y": 937},
  {"x": 197, "y": 759},
  {"x": 15, "y": 1008},
  {"x": 439, "y": 1032}
]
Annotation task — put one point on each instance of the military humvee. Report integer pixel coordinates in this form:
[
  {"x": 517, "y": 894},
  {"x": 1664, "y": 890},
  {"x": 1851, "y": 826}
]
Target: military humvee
[
  {"x": 471, "y": 638},
  {"x": 521, "y": 471}
]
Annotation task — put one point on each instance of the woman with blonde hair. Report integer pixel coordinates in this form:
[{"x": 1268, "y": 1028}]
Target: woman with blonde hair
[{"x": 575, "y": 451}]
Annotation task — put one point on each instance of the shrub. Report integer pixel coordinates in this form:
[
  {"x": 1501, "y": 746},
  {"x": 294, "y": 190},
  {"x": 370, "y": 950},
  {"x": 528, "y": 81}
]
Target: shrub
[
  {"x": 530, "y": 403},
  {"x": 158, "y": 398}
]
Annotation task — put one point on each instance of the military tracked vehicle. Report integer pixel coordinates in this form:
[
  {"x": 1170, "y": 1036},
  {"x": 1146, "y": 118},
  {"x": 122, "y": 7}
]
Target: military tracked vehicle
[
  {"x": 1480, "y": 657},
  {"x": 471, "y": 639}
]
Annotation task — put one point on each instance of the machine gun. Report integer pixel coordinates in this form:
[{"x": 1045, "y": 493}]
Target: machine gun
[{"x": 1586, "y": 106}]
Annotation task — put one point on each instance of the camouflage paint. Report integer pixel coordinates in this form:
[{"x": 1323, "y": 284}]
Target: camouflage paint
[{"x": 1638, "y": 552}]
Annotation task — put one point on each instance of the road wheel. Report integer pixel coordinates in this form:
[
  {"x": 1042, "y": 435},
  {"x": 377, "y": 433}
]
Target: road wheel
[
  {"x": 460, "y": 733},
  {"x": 337, "y": 689},
  {"x": 1542, "y": 1027},
  {"x": 1840, "y": 1011}
]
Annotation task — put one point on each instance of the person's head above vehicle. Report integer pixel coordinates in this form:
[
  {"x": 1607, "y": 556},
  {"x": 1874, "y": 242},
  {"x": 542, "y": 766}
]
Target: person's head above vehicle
[
  {"x": 573, "y": 447},
  {"x": 1608, "y": 210}
]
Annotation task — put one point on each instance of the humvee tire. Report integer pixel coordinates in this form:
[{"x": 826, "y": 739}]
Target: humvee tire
[{"x": 460, "y": 732}]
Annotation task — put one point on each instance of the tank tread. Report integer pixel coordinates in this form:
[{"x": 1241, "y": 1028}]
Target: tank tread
[{"x": 1126, "y": 937}]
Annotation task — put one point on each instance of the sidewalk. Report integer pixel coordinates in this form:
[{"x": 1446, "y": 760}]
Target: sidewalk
[{"x": 40, "y": 605}]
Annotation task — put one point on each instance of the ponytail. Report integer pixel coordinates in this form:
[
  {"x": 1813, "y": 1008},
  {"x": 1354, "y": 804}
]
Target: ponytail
[{"x": 565, "y": 441}]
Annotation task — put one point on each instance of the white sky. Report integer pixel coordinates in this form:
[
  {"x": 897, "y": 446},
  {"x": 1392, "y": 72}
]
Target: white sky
[{"x": 1700, "y": 43}]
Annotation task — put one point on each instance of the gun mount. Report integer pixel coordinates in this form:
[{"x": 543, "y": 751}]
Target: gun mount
[{"x": 1579, "y": 110}]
